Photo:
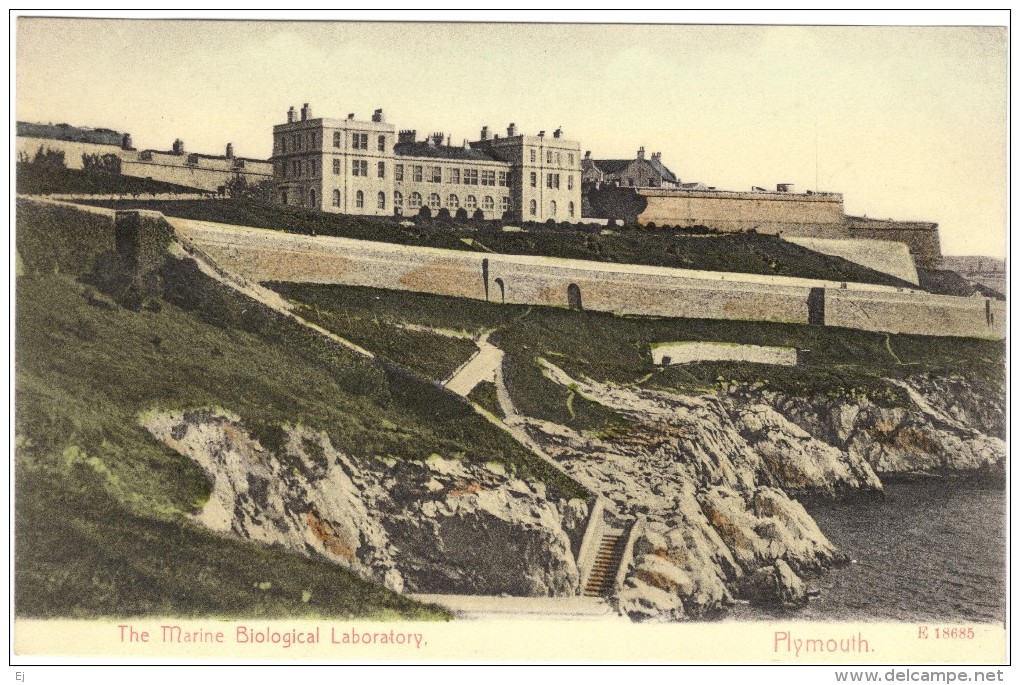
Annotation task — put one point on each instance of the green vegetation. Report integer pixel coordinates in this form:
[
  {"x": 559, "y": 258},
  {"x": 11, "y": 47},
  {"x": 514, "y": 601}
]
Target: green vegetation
[
  {"x": 41, "y": 179},
  {"x": 838, "y": 363},
  {"x": 102, "y": 525},
  {"x": 681, "y": 248},
  {"x": 484, "y": 394}
]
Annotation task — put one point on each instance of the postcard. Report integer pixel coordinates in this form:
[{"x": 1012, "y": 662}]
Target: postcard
[{"x": 419, "y": 342}]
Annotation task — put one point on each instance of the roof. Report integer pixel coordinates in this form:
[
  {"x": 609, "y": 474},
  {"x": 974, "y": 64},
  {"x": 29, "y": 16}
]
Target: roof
[
  {"x": 615, "y": 166},
  {"x": 665, "y": 173},
  {"x": 612, "y": 166},
  {"x": 423, "y": 149},
  {"x": 80, "y": 134}
]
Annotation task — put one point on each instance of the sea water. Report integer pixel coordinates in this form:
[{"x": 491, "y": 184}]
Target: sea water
[{"x": 933, "y": 551}]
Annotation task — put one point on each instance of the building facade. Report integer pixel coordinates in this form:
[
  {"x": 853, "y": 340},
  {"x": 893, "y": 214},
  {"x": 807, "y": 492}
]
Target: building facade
[
  {"x": 629, "y": 173},
  {"x": 367, "y": 167}
]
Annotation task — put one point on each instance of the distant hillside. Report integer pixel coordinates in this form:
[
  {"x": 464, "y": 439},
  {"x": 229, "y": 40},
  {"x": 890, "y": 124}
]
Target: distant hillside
[
  {"x": 678, "y": 248},
  {"x": 38, "y": 179}
]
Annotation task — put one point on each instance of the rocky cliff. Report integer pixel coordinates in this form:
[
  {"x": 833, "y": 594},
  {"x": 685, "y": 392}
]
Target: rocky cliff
[
  {"x": 716, "y": 477},
  {"x": 433, "y": 526}
]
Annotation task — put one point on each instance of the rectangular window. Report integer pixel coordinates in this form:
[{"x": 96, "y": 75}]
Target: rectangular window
[
  {"x": 382, "y": 148},
  {"x": 570, "y": 182},
  {"x": 417, "y": 173},
  {"x": 359, "y": 141},
  {"x": 504, "y": 204},
  {"x": 398, "y": 172},
  {"x": 297, "y": 142},
  {"x": 570, "y": 159},
  {"x": 504, "y": 179},
  {"x": 552, "y": 181},
  {"x": 532, "y": 154},
  {"x": 548, "y": 156},
  {"x": 359, "y": 167},
  {"x": 336, "y": 138},
  {"x": 488, "y": 178},
  {"x": 436, "y": 174},
  {"x": 558, "y": 159},
  {"x": 382, "y": 169},
  {"x": 454, "y": 175},
  {"x": 295, "y": 167},
  {"x": 471, "y": 177},
  {"x": 336, "y": 166},
  {"x": 534, "y": 180},
  {"x": 283, "y": 146}
]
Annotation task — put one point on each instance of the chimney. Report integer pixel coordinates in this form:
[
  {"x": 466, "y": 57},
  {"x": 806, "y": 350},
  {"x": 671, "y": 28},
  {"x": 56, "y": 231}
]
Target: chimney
[
  {"x": 557, "y": 133},
  {"x": 306, "y": 112},
  {"x": 350, "y": 116},
  {"x": 511, "y": 130},
  {"x": 437, "y": 139},
  {"x": 125, "y": 142},
  {"x": 485, "y": 133},
  {"x": 467, "y": 145},
  {"x": 377, "y": 116},
  {"x": 587, "y": 154},
  {"x": 541, "y": 134},
  {"x": 407, "y": 136},
  {"x": 230, "y": 150},
  {"x": 656, "y": 156},
  {"x": 290, "y": 115},
  {"x": 641, "y": 152},
  {"x": 178, "y": 148}
]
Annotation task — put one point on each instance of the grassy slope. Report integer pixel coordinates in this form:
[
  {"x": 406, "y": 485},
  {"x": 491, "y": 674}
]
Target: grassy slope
[
  {"x": 743, "y": 253},
  {"x": 93, "y": 484},
  {"x": 33, "y": 179},
  {"x": 605, "y": 347}
]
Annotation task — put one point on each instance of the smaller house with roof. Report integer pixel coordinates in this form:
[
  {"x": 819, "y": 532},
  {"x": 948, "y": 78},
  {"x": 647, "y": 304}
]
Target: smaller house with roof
[{"x": 641, "y": 172}]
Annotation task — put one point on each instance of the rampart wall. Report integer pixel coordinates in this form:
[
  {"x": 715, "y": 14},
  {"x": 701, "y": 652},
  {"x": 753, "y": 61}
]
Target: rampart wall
[
  {"x": 26, "y": 146},
  {"x": 886, "y": 256},
  {"x": 262, "y": 255}
]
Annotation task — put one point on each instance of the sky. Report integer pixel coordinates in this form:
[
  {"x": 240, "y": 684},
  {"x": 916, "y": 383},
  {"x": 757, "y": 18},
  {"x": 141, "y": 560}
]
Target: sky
[{"x": 907, "y": 122}]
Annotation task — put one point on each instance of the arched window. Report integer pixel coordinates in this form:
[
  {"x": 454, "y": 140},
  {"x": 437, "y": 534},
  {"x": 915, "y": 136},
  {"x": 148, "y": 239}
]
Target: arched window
[
  {"x": 533, "y": 207},
  {"x": 415, "y": 201},
  {"x": 570, "y": 210},
  {"x": 488, "y": 204},
  {"x": 470, "y": 202},
  {"x": 434, "y": 201},
  {"x": 398, "y": 199},
  {"x": 359, "y": 199},
  {"x": 453, "y": 202},
  {"x": 382, "y": 200},
  {"x": 336, "y": 198},
  {"x": 552, "y": 208}
]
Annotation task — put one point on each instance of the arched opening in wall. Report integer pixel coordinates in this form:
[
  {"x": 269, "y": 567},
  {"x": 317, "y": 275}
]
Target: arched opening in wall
[
  {"x": 485, "y": 277},
  {"x": 816, "y": 306},
  {"x": 573, "y": 296},
  {"x": 502, "y": 290}
]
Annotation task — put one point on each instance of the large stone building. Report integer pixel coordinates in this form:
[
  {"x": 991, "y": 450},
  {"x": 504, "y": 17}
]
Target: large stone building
[
  {"x": 632, "y": 173},
  {"x": 368, "y": 167}
]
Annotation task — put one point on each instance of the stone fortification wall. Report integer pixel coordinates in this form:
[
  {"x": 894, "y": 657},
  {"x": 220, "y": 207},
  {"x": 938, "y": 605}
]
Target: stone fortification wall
[
  {"x": 207, "y": 174},
  {"x": 881, "y": 255},
  {"x": 922, "y": 237},
  {"x": 72, "y": 149},
  {"x": 261, "y": 255},
  {"x": 765, "y": 212},
  {"x": 816, "y": 215}
]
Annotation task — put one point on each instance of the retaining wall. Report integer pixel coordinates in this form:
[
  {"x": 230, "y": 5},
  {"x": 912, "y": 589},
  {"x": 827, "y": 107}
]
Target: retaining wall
[
  {"x": 888, "y": 257},
  {"x": 262, "y": 255}
]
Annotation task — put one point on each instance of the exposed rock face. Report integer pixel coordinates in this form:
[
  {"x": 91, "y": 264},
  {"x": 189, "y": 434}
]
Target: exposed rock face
[
  {"x": 438, "y": 526},
  {"x": 952, "y": 426},
  {"x": 710, "y": 477}
]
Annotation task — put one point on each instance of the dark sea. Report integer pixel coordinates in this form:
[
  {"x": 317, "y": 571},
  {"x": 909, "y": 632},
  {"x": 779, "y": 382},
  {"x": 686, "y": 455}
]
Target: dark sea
[{"x": 933, "y": 551}]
